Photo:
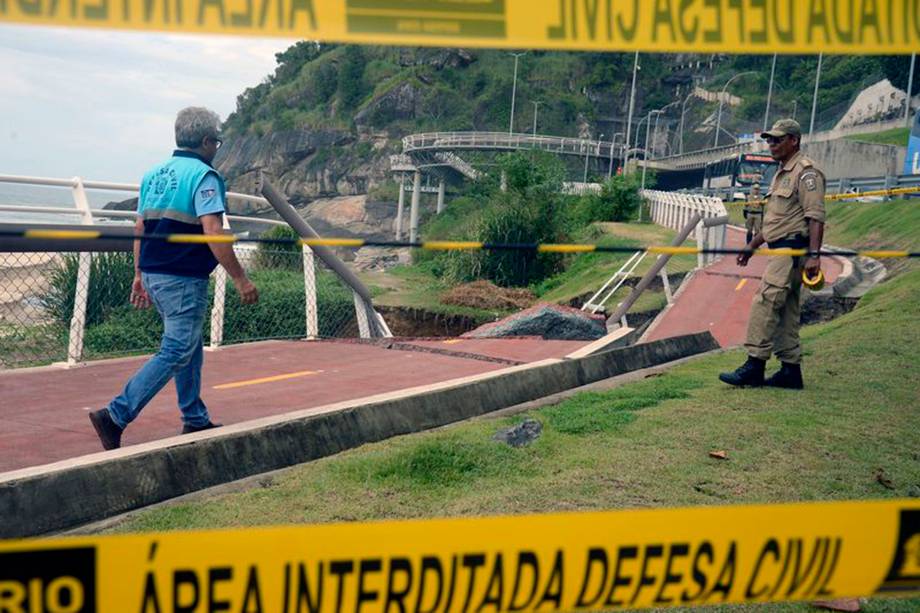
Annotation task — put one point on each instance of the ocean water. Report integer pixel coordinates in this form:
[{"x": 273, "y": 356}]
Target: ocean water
[{"x": 36, "y": 195}]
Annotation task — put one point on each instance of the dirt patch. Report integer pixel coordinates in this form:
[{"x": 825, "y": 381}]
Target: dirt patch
[
  {"x": 488, "y": 296},
  {"x": 409, "y": 322}
]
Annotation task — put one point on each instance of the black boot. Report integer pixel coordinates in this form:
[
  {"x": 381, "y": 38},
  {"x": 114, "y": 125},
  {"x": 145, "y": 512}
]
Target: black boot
[
  {"x": 108, "y": 431},
  {"x": 788, "y": 376},
  {"x": 750, "y": 373},
  {"x": 187, "y": 429}
]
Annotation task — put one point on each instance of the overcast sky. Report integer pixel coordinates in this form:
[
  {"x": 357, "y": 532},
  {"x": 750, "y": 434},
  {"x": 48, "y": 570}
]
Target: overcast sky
[{"x": 101, "y": 104}]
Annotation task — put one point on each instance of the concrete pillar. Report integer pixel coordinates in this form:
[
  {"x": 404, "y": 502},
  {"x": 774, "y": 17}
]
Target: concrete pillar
[
  {"x": 413, "y": 211},
  {"x": 440, "y": 196},
  {"x": 401, "y": 207}
]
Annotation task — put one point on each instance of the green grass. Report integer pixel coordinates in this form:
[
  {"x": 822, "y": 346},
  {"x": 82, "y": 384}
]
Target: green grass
[{"x": 896, "y": 136}]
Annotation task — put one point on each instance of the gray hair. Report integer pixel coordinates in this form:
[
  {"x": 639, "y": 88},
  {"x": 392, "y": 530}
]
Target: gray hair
[{"x": 195, "y": 123}]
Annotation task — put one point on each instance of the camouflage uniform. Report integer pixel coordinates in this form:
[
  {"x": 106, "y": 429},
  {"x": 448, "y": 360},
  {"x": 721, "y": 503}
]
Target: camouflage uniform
[{"x": 796, "y": 195}]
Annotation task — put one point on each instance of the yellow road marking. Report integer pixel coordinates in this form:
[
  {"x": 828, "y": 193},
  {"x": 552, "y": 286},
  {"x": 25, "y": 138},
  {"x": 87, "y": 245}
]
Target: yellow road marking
[
  {"x": 291, "y": 375},
  {"x": 452, "y": 341},
  {"x": 740, "y": 284}
]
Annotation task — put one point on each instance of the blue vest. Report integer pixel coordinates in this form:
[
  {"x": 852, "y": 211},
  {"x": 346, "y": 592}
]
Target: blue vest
[{"x": 167, "y": 206}]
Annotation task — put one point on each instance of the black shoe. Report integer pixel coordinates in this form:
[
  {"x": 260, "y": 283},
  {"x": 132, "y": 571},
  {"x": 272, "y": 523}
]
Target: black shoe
[
  {"x": 187, "y": 429},
  {"x": 789, "y": 376},
  {"x": 108, "y": 431},
  {"x": 750, "y": 373}
]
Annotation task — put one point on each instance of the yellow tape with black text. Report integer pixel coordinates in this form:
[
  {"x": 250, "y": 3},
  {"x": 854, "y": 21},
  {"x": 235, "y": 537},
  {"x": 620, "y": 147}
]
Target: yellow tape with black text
[
  {"x": 700, "y": 26},
  {"x": 553, "y": 562}
]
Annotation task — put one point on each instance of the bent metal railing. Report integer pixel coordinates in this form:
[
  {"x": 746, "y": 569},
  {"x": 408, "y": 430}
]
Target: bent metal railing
[{"x": 12, "y": 263}]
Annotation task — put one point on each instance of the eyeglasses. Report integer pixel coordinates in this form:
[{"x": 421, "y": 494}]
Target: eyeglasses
[{"x": 773, "y": 140}]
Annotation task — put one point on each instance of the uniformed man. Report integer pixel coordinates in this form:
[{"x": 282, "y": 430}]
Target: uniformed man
[
  {"x": 753, "y": 212},
  {"x": 794, "y": 218}
]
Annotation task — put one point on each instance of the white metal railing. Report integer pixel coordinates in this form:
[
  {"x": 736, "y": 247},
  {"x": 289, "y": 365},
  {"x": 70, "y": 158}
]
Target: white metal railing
[
  {"x": 673, "y": 210},
  {"x": 696, "y": 159},
  {"x": 446, "y": 141},
  {"x": 620, "y": 277},
  {"x": 82, "y": 208}
]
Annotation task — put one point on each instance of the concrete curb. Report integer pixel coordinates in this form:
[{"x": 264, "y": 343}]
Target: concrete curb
[{"x": 63, "y": 495}]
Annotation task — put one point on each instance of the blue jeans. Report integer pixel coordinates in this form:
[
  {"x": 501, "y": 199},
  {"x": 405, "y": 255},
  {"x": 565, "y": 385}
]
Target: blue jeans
[{"x": 182, "y": 303}]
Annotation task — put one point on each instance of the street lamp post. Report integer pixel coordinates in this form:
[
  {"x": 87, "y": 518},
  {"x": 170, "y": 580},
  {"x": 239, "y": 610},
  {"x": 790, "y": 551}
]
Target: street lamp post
[
  {"x": 632, "y": 104},
  {"x": 656, "y": 112},
  {"x": 658, "y": 116},
  {"x": 536, "y": 105},
  {"x": 586, "y": 144},
  {"x": 910, "y": 88},
  {"x": 683, "y": 110},
  {"x": 814, "y": 99},
  {"x": 514, "y": 91},
  {"x": 766, "y": 114},
  {"x": 721, "y": 100}
]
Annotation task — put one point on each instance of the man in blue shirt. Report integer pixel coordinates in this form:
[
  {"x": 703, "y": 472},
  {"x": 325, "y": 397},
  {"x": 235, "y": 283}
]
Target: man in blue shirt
[{"x": 184, "y": 195}]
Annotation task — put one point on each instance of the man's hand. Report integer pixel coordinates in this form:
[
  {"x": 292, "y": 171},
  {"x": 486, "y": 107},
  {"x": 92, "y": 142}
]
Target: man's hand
[
  {"x": 742, "y": 259},
  {"x": 812, "y": 267},
  {"x": 139, "y": 297},
  {"x": 247, "y": 291}
]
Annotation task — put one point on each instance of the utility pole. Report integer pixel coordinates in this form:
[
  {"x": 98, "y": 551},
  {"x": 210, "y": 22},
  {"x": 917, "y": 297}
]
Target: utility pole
[
  {"x": 513, "y": 92},
  {"x": 766, "y": 115},
  {"x": 910, "y": 89},
  {"x": 814, "y": 99},
  {"x": 632, "y": 104},
  {"x": 657, "y": 112}
]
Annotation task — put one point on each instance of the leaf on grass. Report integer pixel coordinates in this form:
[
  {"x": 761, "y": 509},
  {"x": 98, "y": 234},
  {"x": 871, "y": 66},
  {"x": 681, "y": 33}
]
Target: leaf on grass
[
  {"x": 719, "y": 455},
  {"x": 882, "y": 478}
]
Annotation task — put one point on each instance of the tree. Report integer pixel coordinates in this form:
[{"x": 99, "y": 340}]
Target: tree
[{"x": 351, "y": 77}]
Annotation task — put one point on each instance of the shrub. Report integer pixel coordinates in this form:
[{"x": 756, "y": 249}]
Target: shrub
[
  {"x": 273, "y": 256},
  {"x": 111, "y": 275}
]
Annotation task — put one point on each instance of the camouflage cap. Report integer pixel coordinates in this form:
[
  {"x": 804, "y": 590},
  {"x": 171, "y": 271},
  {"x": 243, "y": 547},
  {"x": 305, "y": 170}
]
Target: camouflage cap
[{"x": 783, "y": 127}]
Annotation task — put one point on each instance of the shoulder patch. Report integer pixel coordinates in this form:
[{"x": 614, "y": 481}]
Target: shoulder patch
[
  {"x": 207, "y": 193},
  {"x": 811, "y": 183}
]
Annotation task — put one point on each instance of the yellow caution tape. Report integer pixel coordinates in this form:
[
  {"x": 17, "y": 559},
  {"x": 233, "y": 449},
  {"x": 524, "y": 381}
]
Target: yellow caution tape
[
  {"x": 450, "y": 245},
  {"x": 553, "y": 562},
  {"x": 201, "y": 238},
  {"x": 749, "y": 26},
  {"x": 674, "y": 250},
  {"x": 438, "y": 245},
  {"x": 332, "y": 242},
  {"x": 884, "y": 254},
  {"x": 62, "y": 234},
  {"x": 897, "y": 191},
  {"x": 551, "y": 248},
  {"x": 782, "y": 251}
]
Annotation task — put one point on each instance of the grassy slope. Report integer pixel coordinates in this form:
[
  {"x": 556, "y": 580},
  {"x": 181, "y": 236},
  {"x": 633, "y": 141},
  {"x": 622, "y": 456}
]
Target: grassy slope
[{"x": 896, "y": 136}]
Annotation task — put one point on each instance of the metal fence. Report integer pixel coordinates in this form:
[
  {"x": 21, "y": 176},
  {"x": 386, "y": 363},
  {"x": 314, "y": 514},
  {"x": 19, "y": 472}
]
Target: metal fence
[
  {"x": 43, "y": 294},
  {"x": 72, "y": 305},
  {"x": 674, "y": 210}
]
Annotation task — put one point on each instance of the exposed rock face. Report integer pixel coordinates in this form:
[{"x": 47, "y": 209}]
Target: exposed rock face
[
  {"x": 305, "y": 165},
  {"x": 350, "y": 216},
  {"x": 401, "y": 102}
]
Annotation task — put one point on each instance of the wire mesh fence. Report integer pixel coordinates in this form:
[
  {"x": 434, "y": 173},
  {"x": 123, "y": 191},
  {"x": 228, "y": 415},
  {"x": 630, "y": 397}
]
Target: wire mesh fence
[{"x": 38, "y": 292}]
